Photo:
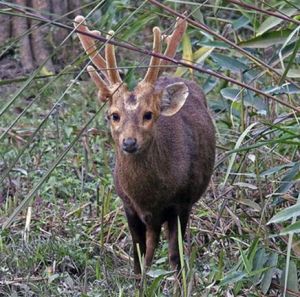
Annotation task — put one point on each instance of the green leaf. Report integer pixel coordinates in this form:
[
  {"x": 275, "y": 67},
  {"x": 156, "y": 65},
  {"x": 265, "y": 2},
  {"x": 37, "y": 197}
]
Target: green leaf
[
  {"x": 249, "y": 99},
  {"x": 199, "y": 56},
  {"x": 292, "y": 279},
  {"x": 237, "y": 145},
  {"x": 293, "y": 228},
  {"x": 284, "y": 89},
  {"x": 291, "y": 73},
  {"x": 240, "y": 22},
  {"x": 268, "y": 39},
  {"x": 276, "y": 169},
  {"x": 233, "y": 277},
  {"x": 259, "y": 261},
  {"x": 288, "y": 71},
  {"x": 288, "y": 180},
  {"x": 286, "y": 214},
  {"x": 187, "y": 55},
  {"x": 272, "y": 21},
  {"x": 229, "y": 63},
  {"x": 158, "y": 272},
  {"x": 252, "y": 251},
  {"x": 267, "y": 279},
  {"x": 202, "y": 53}
]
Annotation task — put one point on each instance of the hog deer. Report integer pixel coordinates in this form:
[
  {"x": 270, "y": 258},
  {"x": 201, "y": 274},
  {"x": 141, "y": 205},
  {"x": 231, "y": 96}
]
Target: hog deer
[{"x": 164, "y": 143}]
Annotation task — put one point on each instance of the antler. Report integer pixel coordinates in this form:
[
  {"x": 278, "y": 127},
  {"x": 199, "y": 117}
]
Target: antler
[
  {"x": 153, "y": 69},
  {"x": 173, "y": 41},
  {"x": 156, "y": 66},
  {"x": 107, "y": 66}
]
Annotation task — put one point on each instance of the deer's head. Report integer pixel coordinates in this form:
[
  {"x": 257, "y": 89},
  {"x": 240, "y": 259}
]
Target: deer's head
[{"x": 133, "y": 114}]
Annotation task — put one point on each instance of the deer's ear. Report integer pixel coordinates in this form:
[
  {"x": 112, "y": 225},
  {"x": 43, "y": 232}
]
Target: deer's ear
[{"x": 173, "y": 97}]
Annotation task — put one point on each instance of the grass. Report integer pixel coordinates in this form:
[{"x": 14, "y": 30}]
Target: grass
[{"x": 71, "y": 237}]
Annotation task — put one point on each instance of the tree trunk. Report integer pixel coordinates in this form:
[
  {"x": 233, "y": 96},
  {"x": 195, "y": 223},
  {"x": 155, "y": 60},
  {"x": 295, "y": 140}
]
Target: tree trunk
[
  {"x": 5, "y": 28},
  {"x": 40, "y": 48},
  {"x": 20, "y": 27},
  {"x": 36, "y": 41}
]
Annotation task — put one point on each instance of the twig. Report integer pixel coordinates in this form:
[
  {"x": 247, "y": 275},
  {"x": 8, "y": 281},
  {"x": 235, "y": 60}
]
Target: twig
[
  {"x": 275, "y": 14},
  {"x": 220, "y": 37},
  {"x": 172, "y": 60}
]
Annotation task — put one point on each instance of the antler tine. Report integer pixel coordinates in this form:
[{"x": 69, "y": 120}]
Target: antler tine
[
  {"x": 152, "y": 72},
  {"x": 104, "y": 91},
  {"x": 111, "y": 62},
  {"x": 89, "y": 45},
  {"x": 173, "y": 40}
]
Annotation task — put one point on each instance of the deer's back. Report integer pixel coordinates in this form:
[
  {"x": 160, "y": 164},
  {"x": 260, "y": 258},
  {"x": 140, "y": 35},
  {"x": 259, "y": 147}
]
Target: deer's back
[{"x": 189, "y": 137}]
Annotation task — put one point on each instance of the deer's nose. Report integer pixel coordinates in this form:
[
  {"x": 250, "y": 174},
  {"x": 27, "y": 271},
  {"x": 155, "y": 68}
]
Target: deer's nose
[{"x": 130, "y": 145}]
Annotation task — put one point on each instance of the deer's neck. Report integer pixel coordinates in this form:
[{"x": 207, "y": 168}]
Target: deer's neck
[
  {"x": 151, "y": 161},
  {"x": 144, "y": 174}
]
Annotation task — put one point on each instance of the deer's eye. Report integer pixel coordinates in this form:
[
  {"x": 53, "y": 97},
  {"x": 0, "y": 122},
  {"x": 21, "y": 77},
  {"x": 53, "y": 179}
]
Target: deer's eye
[
  {"x": 148, "y": 116},
  {"x": 115, "y": 117}
]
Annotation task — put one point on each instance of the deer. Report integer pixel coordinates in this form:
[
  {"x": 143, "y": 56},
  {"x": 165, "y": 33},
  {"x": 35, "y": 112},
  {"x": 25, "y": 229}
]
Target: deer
[{"x": 164, "y": 141}]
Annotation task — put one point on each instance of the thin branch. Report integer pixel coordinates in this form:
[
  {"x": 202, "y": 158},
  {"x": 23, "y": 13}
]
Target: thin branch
[
  {"x": 220, "y": 37},
  {"x": 172, "y": 60},
  {"x": 279, "y": 15}
]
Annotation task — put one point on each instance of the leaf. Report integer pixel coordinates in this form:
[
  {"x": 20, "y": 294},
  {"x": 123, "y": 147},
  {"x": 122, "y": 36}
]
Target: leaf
[
  {"x": 291, "y": 73},
  {"x": 245, "y": 185},
  {"x": 259, "y": 261},
  {"x": 293, "y": 228},
  {"x": 237, "y": 145},
  {"x": 199, "y": 56},
  {"x": 202, "y": 53},
  {"x": 187, "y": 54},
  {"x": 267, "y": 278},
  {"x": 229, "y": 63},
  {"x": 251, "y": 204},
  {"x": 286, "y": 214},
  {"x": 21, "y": 170},
  {"x": 288, "y": 180},
  {"x": 284, "y": 89},
  {"x": 275, "y": 169},
  {"x": 158, "y": 272},
  {"x": 272, "y": 21},
  {"x": 216, "y": 44},
  {"x": 233, "y": 277},
  {"x": 240, "y": 22},
  {"x": 292, "y": 279},
  {"x": 288, "y": 71},
  {"x": 252, "y": 251},
  {"x": 246, "y": 262},
  {"x": 268, "y": 39},
  {"x": 45, "y": 72},
  {"x": 249, "y": 98},
  {"x": 156, "y": 282}
]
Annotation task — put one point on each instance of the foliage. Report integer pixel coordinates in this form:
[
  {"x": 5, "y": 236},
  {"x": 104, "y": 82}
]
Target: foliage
[{"x": 67, "y": 235}]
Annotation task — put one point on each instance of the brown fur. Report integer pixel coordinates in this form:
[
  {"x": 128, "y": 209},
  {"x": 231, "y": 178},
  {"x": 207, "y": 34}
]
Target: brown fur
[{"x": 170, "y": 173}]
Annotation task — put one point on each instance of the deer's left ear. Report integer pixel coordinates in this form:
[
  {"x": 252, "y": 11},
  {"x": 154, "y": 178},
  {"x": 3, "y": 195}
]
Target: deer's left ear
[{"x": 173, "y": 97}]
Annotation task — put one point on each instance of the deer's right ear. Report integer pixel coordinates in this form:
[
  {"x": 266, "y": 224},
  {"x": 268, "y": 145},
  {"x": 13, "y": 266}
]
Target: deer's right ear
[{"x": 173, "y": 98}]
